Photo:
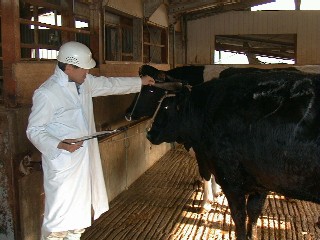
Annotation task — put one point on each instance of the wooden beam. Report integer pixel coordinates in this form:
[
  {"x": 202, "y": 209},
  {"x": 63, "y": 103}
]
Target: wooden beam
[
  {"x": 265, "y": 39},
  {"x": 297, "y": 4},
  {"x": 66, "y": 29},
  {"x": 192, "y": 6},
  {"x": 150, "y": 6},
  {"x": 67, "y": 19},
  {"x": 252, "y": 58},
  {"x": 10, "y": 28},
  {"x": 96, "y": 36},
  {"x": 268, "y": 52},
  {"x": 243, "y": 4},
  {"x": 10, "y": 48},
  {"x": 43, "y": 4},
  {"x": 137, "y": 39}
]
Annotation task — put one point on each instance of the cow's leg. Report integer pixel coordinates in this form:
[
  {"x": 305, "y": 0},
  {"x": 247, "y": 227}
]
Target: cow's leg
[
  {"x": 210, "y": 189},
  {"x": 207, "y": 195},
  {"x": 237, "y": 204},
  {"x": 255, "y": 205},
  {"x": 216, "y": 189}
]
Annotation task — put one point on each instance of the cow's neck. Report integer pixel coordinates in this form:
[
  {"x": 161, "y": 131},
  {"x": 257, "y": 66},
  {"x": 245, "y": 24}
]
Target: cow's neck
[{"x": 191, "y": 120}]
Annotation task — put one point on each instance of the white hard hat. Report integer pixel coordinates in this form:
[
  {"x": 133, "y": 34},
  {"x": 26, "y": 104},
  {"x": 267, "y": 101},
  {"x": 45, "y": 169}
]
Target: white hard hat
[{"x": 77, "y": 54}]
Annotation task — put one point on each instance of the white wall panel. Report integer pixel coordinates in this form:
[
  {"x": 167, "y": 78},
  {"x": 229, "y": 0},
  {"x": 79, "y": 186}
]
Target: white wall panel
[{"x": 305, "y": 24}]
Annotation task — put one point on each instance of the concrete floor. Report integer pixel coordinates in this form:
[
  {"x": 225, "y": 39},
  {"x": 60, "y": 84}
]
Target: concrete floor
[{"x": 164, "y": 204}]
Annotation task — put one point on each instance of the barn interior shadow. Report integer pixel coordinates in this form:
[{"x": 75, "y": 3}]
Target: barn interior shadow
[{"x": 164, "y": 204}]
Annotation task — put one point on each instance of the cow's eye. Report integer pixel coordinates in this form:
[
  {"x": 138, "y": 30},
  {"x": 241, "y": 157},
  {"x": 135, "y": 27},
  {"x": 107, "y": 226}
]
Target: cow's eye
[
  {"x": 166, "y": 107},
  {"x": 151, "y": 91}
]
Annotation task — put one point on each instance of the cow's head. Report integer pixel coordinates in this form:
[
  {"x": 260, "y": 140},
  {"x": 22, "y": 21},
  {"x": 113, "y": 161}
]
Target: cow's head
[
  {"x": 157, "y": 75},
  {"x": 146, "y": 102},
  {"x": 166, "y": 121}
]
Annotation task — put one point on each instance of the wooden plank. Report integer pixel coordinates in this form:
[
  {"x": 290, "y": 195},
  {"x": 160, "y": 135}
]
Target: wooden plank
[
  {"x": 62, "y": 28},
  {"x": 31, "y": 205},
  {"x": 29, "y": 76},
  {"x": 126, "y": 69},
  {"x": 43, "y": 4}
]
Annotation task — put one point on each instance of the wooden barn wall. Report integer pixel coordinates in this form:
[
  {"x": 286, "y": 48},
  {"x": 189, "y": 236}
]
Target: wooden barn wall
[
  {"x": 109, "y": 111},
  {"x": 305, "y": 24}
]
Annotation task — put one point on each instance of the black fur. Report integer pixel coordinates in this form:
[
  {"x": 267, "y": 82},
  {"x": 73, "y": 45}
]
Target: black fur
[{"x": 256, "y": 132}]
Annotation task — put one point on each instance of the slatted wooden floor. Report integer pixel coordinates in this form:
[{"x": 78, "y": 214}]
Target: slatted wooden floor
[{"x": 164, "y": 204}]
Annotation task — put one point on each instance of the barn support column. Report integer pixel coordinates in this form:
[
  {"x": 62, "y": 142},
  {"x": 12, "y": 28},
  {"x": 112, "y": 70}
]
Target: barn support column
[
  {"x": 10, "y": 28},
  {"x": 67, "y": 20},
  {"x": 297, "y": 4},
  {"x": 137, "y": 39},
  {"x": 183, "y": 22},
  {"x": 172, "y": 29},
  {"x": 96, "y": 44}
]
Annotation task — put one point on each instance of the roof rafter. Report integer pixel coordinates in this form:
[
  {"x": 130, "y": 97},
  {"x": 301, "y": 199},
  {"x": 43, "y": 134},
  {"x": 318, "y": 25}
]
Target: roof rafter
[
  {"x": 150, "y": 6},
  {"x": 184, "y": 7},
  {"x": 227, "y": 6}
]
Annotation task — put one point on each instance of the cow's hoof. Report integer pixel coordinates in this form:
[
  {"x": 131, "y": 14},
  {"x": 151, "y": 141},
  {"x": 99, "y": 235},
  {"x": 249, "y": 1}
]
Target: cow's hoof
[
  {"x": 219, "y": 194},
  {"x": 205, "y": 208}
]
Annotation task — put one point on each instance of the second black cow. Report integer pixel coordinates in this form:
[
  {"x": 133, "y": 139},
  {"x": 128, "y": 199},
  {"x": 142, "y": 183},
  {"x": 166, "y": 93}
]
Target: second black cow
[{"x": 256, "y": 132}]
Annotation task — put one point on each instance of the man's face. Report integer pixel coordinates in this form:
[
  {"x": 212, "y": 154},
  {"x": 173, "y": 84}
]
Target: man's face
[{"x": 76, "y": 74}]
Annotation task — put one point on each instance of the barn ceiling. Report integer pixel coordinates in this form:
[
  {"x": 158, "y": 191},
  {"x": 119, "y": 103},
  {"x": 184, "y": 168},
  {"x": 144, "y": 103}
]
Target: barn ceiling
[{"x": 201, "y": 8}]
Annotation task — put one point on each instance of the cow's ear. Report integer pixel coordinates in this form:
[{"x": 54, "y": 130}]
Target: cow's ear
[{"x": 157, "y": 75}]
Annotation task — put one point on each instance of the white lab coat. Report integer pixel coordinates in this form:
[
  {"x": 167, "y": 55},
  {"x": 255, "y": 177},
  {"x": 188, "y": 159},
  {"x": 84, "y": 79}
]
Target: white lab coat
[{"x": 72, "y": 181}]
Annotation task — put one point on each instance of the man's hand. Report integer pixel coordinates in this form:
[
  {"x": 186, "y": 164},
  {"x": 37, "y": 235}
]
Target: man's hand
[
  {"x": 70, "y": 145},
  {"x": 147, "y": 80}
]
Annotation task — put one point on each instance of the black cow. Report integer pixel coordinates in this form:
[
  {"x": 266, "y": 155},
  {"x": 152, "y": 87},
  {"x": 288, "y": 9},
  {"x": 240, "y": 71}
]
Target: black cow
[
  {"x": 256, "y": 132},
  {"x": 146, "y": 102}
]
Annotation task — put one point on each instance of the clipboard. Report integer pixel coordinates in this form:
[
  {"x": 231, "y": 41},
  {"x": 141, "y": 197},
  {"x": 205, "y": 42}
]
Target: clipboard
[{"x": 97, "y": 134}]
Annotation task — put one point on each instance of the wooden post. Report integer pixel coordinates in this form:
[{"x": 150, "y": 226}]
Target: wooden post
[
  {"x": 96, "y": 35},
  {"x": 67, "y": 20},
  {"x": 137, "y": 39},
  {"x": 11, "y": 51}
]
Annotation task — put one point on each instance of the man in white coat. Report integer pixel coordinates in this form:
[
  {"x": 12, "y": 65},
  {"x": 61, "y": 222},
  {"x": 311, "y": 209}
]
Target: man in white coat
[{"x": 62, "y": 112}]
